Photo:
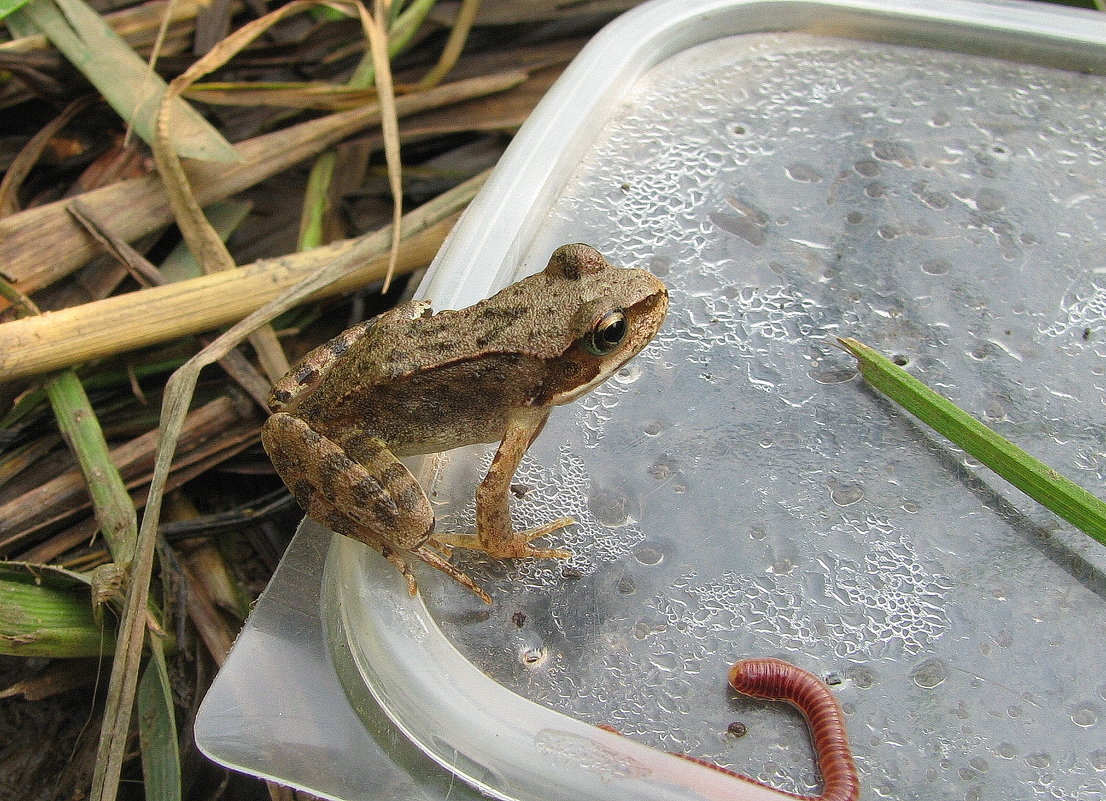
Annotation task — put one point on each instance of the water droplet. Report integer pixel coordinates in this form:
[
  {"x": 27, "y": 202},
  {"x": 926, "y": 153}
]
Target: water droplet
[
  {"x": 664, "y": 468},
  {"x": 862, "y": 677},
  {"x": 831, "y": 374},
  {"x": 647, "y": 555},
  {"x": 929, "y": 674},
  {"x": 660, "y": 267},
  {"x": 612, "y": 507},
  {"x": 868, "y": 169},
  {"x": 782, "y": 567},
  {"x": 846, "y": 494},
  {"x": 532, "y": 656},
  {"x": 628, "y": 374},
  {"x": 895, "y": 152},
  {"x": 994, "y": 411},
  {"x": 1038, "y": 760},
  {"x": 803, "y": 172},
  {"x": 1084, "y": 717},
  {"x": 935, "y": 266}
]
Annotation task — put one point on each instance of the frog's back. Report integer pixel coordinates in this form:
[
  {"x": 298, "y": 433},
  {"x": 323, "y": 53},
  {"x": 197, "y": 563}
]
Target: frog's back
[
  {"x": 424, "y": 384},
  {"x": 427, "y": 382}
]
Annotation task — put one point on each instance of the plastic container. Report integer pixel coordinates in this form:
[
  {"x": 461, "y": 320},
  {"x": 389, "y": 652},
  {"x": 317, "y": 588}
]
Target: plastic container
[{"x": 923, "y": 176}]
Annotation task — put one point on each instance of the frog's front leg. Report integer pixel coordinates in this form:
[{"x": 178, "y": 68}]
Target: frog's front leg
[
  {"x": 494, "y": 533},
  {"x": 358, "y": 488}
]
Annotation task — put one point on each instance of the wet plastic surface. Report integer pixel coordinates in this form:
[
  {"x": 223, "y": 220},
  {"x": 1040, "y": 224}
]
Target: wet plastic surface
[{"x": 739, "y": 491}]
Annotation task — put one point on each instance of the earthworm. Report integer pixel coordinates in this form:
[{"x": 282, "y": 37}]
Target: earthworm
[{"x": 776, "y": 680}]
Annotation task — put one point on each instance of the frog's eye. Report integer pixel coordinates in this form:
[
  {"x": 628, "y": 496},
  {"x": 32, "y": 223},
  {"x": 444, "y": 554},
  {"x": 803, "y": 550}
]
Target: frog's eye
[{"x": 606, "y": 333}]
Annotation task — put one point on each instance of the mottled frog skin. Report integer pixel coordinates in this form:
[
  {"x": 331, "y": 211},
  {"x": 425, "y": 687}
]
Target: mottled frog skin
[{"x": 410, "y": 381}]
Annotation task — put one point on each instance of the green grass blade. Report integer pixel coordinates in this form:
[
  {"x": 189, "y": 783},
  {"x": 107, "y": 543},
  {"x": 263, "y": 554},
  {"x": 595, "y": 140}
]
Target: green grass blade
[
  {"x": 114, "y": 509},
  {"x": 46, "y": 612},
  {"x": 1030, "y": 475},
  {"x": 122, "y": 77},
  {"x": 8, "y": 6},
  {"x": 157, "y": 729},
  {"x": 316, "y": 201},
  {"x": 400, "y": 32}
]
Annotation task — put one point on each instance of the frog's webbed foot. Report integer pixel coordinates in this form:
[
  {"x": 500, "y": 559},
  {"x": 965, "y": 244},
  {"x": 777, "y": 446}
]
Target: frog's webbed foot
[{"x": 514, "y": 545}]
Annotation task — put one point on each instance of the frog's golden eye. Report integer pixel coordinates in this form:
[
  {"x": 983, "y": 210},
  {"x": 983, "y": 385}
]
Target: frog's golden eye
[{"x": 606, "y": 333}]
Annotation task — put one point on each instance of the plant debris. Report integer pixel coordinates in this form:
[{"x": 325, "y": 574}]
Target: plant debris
[{"x": 319, "y": 144}]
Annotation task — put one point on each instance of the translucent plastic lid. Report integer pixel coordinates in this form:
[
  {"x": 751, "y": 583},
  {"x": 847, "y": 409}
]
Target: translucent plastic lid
[{"x": 925, "y": 177}]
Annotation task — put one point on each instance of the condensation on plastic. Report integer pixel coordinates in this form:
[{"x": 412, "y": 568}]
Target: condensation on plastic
[
  {"x": 496, "y": 741},
  {"x": 738, "y": 491}
]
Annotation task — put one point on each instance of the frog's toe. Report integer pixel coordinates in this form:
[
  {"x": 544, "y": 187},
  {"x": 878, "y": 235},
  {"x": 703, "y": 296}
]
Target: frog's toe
[
  {"x": 402, "y": 566},
  {"x": 544, "y": 553},
  {"x": 546, "y": 528},
  {"x": 434, "y": 559},
  {"x": 528, "y": 536},
  {"x": 508, "y": 545}
]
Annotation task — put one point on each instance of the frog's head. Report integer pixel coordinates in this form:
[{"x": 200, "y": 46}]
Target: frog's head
[{"x": 608, "y": 314}]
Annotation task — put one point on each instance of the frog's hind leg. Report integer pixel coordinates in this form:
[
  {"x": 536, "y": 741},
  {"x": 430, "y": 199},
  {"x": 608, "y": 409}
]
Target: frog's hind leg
[
  {"x": 358, "y": 488},
  {"x": 494, "y": 532},
  {"x": 318, "y": 509}
]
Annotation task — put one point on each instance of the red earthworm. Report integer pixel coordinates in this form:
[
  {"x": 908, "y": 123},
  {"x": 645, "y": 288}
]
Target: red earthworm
[{"x": 776, "y": 680}]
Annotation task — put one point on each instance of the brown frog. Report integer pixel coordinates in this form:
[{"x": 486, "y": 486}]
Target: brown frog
[{"x": 410, "y": 381}]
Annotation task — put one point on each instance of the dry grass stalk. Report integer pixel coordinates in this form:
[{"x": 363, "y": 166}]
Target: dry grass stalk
[
  {"x": 211, "y": 625},
  {"x": 137, "y": 25},
  {"x": 117, "y": 324},
  {"x": 66, "y": 495},
  {"x": 40, "y": 245},
  {"x": 192, "y": 463}
]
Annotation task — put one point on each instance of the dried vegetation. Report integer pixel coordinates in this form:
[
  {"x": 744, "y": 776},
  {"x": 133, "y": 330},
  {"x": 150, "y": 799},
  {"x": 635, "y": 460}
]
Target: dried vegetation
[{"x": 270, "y": 120}]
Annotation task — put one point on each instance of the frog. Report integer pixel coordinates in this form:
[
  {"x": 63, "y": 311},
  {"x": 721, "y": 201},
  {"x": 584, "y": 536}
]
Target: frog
[{"x": 413, "y": 381}]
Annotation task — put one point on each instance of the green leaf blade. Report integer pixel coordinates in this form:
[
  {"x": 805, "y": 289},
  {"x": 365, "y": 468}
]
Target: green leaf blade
[
  {"x": 122, "y": 77},
  {"x": 1030, "y": 475},
  {"x": 47, "y": 614},
  {"x": 157, "y": 729}
]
